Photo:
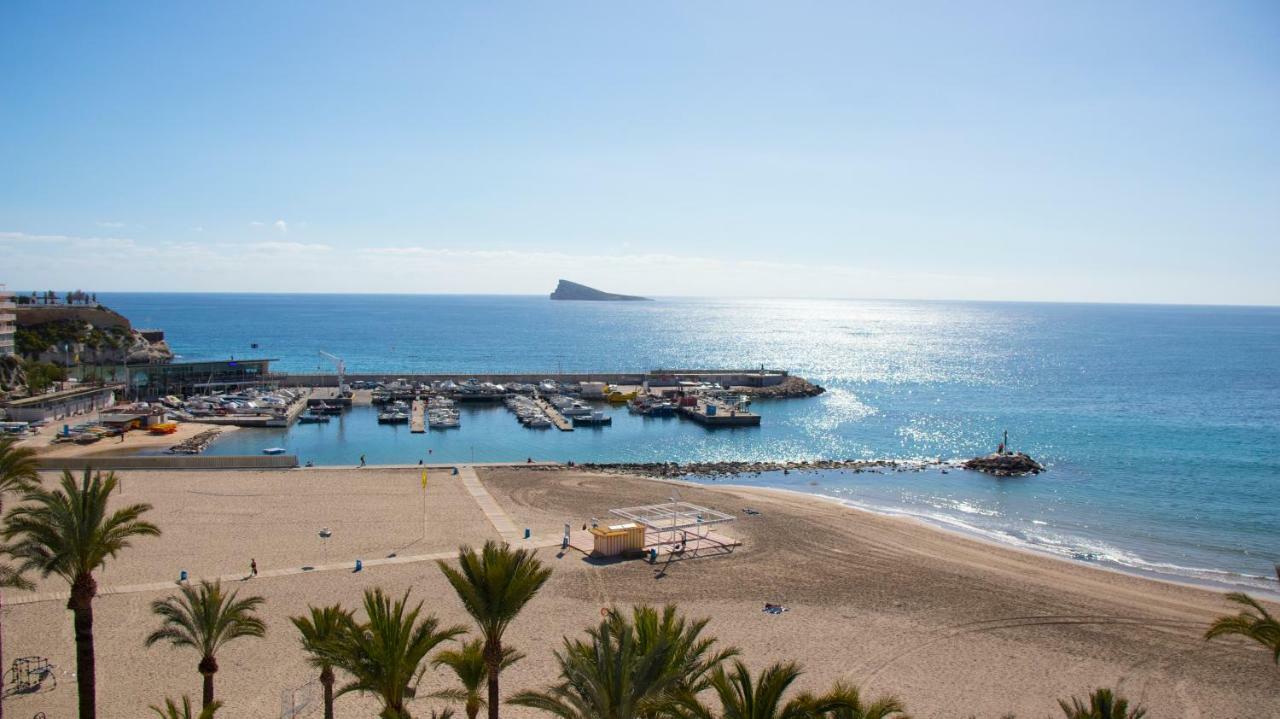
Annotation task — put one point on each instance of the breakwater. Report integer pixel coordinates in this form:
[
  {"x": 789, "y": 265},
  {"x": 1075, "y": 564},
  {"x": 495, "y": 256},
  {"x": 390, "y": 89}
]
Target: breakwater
[
  {"x": 761, "y": 382},
  {"x": 676, "y": 470}
]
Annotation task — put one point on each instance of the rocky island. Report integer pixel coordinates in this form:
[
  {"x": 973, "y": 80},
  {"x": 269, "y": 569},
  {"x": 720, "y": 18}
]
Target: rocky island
[{"x": 567, "y": 290}]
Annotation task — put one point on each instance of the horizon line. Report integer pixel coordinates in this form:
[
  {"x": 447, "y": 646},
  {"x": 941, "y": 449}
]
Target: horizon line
[{"x": 1128, "y": 303}]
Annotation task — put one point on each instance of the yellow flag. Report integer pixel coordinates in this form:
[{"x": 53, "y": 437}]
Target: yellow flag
[{"x": 424, "y": 479}]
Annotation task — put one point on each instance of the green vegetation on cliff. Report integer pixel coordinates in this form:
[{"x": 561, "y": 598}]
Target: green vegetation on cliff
[{"x": 36, "y": 339}]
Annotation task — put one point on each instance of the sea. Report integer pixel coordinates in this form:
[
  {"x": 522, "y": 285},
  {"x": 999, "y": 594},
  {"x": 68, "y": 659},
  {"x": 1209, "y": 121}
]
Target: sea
[{"x": 1159, "y": 425}]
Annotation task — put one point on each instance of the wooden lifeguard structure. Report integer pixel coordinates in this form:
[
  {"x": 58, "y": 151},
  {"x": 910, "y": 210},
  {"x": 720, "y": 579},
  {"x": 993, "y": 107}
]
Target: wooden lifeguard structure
[{"x": 673, "y": 527}]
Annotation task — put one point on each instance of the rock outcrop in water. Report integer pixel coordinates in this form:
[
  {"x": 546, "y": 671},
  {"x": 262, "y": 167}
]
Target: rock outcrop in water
[
  {"x": 790, "y": 387},
  {"x": 567, "y": 290},
  {"x": 1015, "y": 464}
]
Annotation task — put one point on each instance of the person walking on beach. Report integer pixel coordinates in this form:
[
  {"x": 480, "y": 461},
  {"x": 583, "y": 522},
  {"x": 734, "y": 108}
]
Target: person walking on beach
[
  {"x": 362, "y": 460},
  {"x": 253, "y": 567}
]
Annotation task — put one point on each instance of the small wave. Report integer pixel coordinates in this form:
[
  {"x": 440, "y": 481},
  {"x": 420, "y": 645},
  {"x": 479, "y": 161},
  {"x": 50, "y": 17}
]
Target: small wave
[{"x": 1070, "y": 547}]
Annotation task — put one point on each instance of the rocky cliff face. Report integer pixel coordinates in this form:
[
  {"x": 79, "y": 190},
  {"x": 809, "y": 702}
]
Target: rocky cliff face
[
  {"x": 567, "y": 290},
  {"x": 84, "y": 335},
  {"x": 131, "y": 348}
]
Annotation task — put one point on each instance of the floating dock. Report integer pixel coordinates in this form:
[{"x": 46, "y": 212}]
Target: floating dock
[
  {"x": 561, "y": 422},
  {"x": 417, "y": 420},
  {"x": 715, "y": 414}
]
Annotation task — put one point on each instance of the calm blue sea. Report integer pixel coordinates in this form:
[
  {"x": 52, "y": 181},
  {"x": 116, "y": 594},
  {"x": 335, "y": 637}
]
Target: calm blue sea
[{"x": 1160, "y": 425}]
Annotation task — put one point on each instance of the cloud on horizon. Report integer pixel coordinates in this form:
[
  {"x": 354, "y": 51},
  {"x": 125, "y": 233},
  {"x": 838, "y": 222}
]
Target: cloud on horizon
[{"x": 223, "y": 265}]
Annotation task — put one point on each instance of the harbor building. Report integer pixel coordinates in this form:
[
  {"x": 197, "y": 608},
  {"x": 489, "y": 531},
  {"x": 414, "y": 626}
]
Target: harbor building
[
  {"x": 8, "y": 322},
  {"x": 53, "y": 406},
  {"x": 188, "y": 378}
]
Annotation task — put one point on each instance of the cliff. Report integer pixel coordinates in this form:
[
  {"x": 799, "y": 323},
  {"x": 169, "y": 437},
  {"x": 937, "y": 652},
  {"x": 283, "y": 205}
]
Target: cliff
[
  {"x": 567, "y": 290},
  {"x": 85, "y": 335}
]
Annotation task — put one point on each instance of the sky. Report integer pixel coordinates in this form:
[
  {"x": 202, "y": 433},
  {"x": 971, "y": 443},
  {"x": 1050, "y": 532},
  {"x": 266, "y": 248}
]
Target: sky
[{"x": 1071, "y": 151}]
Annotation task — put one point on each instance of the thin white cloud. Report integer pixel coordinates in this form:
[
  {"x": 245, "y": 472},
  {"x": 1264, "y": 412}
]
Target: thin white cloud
[
  {"x": 290, "y": 247},
  {"x": 255, "y": 223},
  {"x": 110, "y": 225},
  {"x": 281, "y": 225}
]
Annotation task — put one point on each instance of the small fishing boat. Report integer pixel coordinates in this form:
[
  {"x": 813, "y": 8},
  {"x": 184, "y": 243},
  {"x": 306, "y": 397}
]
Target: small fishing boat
[{"x": 274, "y": 450}]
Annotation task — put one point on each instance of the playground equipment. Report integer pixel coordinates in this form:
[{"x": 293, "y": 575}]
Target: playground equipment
[{"x": 28, "y": 675}]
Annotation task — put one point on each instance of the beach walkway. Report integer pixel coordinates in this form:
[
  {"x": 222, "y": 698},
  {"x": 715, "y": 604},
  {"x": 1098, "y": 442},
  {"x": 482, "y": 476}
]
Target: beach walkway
[
  {"x": 466, "y": 477},
  {"x": 347, "y": 566},
  {"x": 497, "y": 516}
]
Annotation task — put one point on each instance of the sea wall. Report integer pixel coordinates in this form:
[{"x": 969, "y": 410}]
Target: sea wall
[
  {"x": 169, "y": 462},
  {"x": 733, "y": 377}
]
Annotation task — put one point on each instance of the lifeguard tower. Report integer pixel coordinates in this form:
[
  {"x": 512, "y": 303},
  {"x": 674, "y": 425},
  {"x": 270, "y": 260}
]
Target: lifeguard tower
[{"x": 672, "y": 527}]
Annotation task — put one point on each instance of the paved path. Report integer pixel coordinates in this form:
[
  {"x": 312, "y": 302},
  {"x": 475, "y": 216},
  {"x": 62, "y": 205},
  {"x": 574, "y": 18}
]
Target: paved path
[
  {"x": 497, "y": 516},
  {"x": 349, "y": 566}
]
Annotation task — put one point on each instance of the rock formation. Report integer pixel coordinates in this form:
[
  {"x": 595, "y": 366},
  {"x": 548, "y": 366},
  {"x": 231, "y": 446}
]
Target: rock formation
[
  {"x": 1015, "y": 464},
  {"x": 567, "y": 290}
]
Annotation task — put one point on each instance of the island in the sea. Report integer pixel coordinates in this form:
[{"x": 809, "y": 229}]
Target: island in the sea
[{"x": 567, "y": 290}]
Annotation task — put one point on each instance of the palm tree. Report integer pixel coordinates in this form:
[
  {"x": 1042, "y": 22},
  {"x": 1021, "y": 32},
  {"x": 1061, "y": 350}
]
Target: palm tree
[
  {"x": 467, "y": 663},
  {"x": 320, "y": 629},
  {"x": 205, "y": 618},
  {"x": 1254, "y": 622},
  {"x": 845, "y": 702},
  {"x": 742, "y": 697},
  {"x": 67, "y": 531},
  {"x": 494, "y": 586},
  {"x": 171, "y": 710},
  {"x": 18, "y": 473},
  {"x": 385, "y": 654},
  {"x": 1103, "y": 704},
  {"x": 644, "y": 666}
]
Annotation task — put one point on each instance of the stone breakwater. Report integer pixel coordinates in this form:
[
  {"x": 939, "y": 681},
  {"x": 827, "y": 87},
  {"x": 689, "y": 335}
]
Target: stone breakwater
[
  {"x": 196, "y": 444},
  {"x": 676, "y": 470},
  {"x": 789, "y": 387}
]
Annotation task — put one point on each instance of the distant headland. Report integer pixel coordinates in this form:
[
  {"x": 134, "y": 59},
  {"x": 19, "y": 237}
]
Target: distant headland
[{"x": 567, "y": 290}]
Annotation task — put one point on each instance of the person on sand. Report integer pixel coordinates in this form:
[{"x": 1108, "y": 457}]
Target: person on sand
[
  {"x": 253, "y": 567},
  {"x": 362, "y": 460}
]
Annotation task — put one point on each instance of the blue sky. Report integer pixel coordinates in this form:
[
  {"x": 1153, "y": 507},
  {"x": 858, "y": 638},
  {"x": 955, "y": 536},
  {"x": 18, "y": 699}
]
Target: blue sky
[{"x": 1040, "y": 151}]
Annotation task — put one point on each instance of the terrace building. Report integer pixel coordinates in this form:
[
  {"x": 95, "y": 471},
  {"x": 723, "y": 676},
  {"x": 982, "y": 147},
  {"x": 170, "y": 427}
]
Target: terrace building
[{"x": 8, "y": 322}]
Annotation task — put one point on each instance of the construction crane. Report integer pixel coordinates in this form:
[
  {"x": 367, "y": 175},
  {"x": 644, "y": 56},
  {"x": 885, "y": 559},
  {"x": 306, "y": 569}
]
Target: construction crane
[{"x": 342, "y": 371}]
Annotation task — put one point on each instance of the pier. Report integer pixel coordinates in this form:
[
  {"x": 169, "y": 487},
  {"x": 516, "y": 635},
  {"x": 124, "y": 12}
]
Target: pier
[
  {"x": 417, "y": 420},
  {"x": 561, "y": 422}
]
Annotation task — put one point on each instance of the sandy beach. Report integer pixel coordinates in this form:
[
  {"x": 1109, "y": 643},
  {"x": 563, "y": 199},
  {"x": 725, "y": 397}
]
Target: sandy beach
[{"x": 953, "y": 627}]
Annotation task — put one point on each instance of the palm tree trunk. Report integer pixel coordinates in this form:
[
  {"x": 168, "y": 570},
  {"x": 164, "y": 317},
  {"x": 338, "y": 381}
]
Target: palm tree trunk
[
  {"x": 2, "y": 662},
  {"x": 206, "y": 696},
  {"x": 493, "y": 660},
  {"x": 81, "y": 606},
  {"x": 207, "y": 667},
  {"x": 326, "y": 681}
]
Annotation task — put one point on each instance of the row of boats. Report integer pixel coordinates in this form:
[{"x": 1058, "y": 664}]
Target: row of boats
[
  {"x": 527, "y": 411},
  {"x": 247, "y": 402},
  {"x": 440, "y": 413}
]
